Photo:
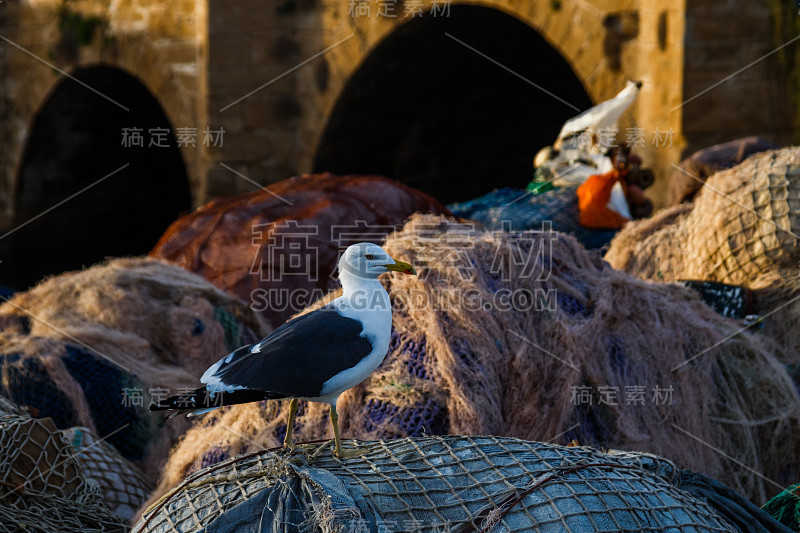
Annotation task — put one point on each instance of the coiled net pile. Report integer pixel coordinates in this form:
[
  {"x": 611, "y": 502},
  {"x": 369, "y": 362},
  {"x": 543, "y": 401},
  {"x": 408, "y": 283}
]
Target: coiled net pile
[
  {"x": 743, "y": 224},
  {"x": 80, "y": 347},
  {"x": 42, "y": 486},
  {"x": 743, "y": 228},
  {"x": 462, "y": 362},
  {"x": 248, "y": 244},
  {"x": 453, "y": 484}
]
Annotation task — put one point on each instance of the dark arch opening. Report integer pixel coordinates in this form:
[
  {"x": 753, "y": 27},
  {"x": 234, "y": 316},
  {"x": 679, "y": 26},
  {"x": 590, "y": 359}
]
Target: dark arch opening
[
  {"x": 428, "y": 111},
  {"x": 75, "y": 142}
]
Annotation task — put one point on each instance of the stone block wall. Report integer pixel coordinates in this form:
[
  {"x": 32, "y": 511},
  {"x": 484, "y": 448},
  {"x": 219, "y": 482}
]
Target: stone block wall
[
  {"x": 200, "y": 58},
  {"x": 732, "y": 84},
  {"x": 163, "y": 45},
  {"x": 274, "y": 133}
]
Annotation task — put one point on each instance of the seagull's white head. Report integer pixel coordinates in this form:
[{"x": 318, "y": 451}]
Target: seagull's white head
[{"x": 368, "y": 261}]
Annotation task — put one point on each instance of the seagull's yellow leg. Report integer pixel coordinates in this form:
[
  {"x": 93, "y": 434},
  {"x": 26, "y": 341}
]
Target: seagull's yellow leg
[
  {"x": 335, "y": 422},
  {"x": 287, "y": 441},
  {"x": 340, "y": 453}
]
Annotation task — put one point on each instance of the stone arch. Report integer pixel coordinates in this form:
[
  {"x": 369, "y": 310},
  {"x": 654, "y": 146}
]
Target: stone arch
[
  {"x": 410, "y": 110},
  {"x": 74, "y": 147},
  {"x": 162, "y": 48}
]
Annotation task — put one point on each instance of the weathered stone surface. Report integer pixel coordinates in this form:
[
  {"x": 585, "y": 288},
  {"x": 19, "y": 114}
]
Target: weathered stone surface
[{"x": 198, "y": 56}]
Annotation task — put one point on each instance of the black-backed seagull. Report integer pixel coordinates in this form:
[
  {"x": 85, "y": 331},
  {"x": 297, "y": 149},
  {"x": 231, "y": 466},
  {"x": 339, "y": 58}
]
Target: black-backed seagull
[{"x": 316, "y": 356}]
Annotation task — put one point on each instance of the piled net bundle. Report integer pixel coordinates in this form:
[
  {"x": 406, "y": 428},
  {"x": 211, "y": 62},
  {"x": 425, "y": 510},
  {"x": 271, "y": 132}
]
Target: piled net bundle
[
  {"x": 453, "y": 484},
  {"x": 743, "y": 224},
  {"x": 742, "y": 229},
  {"x": 123, "y": 486},
  {"x": 247, "y": 244},
  {"x": 686, "y": 179},
  {"x": 463, "y": 362},
  {"x": 88, "y": 348},
  {"x": 519, "y": 209},
  {"x": 42, "y": 486},
  {"x": 785, "y": 507}
]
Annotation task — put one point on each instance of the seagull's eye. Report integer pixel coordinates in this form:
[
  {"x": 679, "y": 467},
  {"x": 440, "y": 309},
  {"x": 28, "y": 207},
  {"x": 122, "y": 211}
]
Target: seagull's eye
[{"x": 370, "y": 257}]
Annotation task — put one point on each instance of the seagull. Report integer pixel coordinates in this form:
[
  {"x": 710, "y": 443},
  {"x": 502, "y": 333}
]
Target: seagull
[{"x": 316, "y": 356}]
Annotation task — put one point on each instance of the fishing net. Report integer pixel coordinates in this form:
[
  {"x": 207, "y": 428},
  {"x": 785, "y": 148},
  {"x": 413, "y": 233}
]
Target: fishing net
[
  {"x": 742, "y": 225},
  {"x": 277, "y": 247},
  {"x": 785, "y": 507},
  {"x": 777, "y": 302},
  {"x": 519, "y": 209},
  {"x": 528, "y": 335},
  {"x": 732, "y": 301},
  {"x": 442, "y": 484},
  {"x": 122, "y": 485},
  {"x": 742, "y": 230},
  {"x": 93, "y": 348},
  {"x": 686, "y": 179},
  {"x": 42, "y": 485}
]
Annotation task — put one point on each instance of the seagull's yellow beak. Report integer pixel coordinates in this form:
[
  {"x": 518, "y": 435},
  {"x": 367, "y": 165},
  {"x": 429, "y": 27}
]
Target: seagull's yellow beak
[{"x": 399, "y": 266}]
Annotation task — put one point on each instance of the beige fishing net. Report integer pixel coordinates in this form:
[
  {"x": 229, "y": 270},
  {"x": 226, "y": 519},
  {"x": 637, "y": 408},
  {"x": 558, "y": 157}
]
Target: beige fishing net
[
  {"x": 42, "y": 486},
  {"x": 743, "y": 224},
  {"x": 122, "y": 484},
  {"x": 92, "y": 348},
  {"x": 584, "y": 352},
  {"x": 742, "y": 229}
]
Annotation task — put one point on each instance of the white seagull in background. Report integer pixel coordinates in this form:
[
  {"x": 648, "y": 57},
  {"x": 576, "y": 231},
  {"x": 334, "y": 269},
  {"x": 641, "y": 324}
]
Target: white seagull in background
[{"x": 316, "y": 356}]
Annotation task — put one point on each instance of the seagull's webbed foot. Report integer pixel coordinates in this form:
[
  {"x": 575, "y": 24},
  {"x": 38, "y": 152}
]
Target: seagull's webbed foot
[
  {"x": 299, "y": 452},
  {"x": 339, "y": 452},
  {"x": 350, "y": 452}
]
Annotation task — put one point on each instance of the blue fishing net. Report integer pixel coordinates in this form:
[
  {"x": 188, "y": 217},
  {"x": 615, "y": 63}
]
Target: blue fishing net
[
  {"x": 519, "y": 209},
  {"x": 571, "y": 305},
  {"x": 213, "y": 456},
  {"x": 103, "y": 384},
  {"x": 427, "y": 417},
  {"x": 26, "y": 382},
  {"x": 414, "y": 354},
  {"x": 616, "y": 352}
]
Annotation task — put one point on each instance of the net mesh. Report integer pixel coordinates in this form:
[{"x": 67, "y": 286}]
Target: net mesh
[
  {"x": 89, "y": 348},
  {"x": 101, "y": 381},
  {"x": 122, "y": 485},
  {"x": 623, "y": 364},
  {"x": 743, "y": 224},
  {"x": 519, "y": 209},
  {"x": 437, "y": 484},
  {"x": 686, "y": 179},
  {"x": 42, "y": 486},
  {"x": 27, "y": 382}
]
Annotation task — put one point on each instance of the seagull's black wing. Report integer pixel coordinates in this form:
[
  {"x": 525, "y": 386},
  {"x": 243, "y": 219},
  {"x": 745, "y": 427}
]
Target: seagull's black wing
[{"x": 296, "y": 359}]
